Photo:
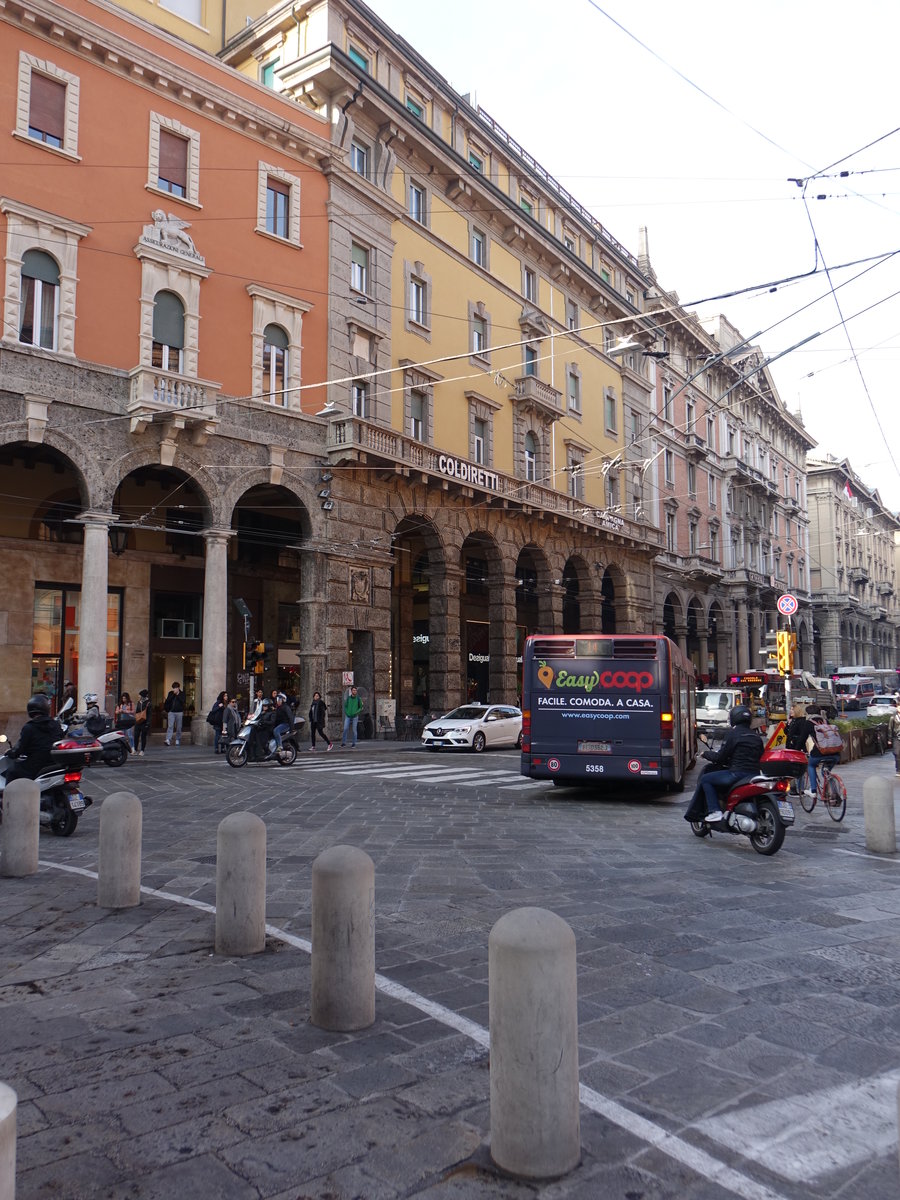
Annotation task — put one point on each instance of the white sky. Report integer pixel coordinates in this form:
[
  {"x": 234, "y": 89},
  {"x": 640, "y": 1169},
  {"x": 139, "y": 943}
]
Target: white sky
[{"x": 637, "y": 145}]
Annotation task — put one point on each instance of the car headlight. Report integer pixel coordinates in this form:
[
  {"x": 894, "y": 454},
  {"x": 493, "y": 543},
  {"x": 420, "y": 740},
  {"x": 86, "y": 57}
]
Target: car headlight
[{"x": 464, "y": 729}]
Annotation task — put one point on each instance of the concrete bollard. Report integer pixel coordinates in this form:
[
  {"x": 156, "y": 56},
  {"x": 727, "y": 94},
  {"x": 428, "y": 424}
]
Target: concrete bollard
[
  {"x": 533, "y": 1001},
  {"x": 878, "y": 811},
  {"x": 342, "y": 987},
  {"x": 21, "y": 829},
  {"x": 241, "y": 885},
  {"x": 119, "y": 854},
  {"x": 8, "y": 1104}
]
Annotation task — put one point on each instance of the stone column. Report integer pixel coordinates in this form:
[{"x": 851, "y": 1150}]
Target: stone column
[
  {"x": 703, "y": 639},
  {"x": 314, "y": 597},
  {"x": 502, "y": 688},
  {"x": 755, "y": 661},
  {"x": 681, "y": 638},
  {"x": 445, "y": 634},
  {"x": 742, "y": 636},
  {"x": 94, "y": 605},
  {"x": 215, "y": 629}
]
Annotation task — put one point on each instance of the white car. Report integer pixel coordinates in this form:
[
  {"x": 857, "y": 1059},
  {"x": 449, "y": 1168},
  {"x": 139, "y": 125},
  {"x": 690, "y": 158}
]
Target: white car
[
  {"x": 882, "y": 706},
  {"x": 475, "y": 727}
]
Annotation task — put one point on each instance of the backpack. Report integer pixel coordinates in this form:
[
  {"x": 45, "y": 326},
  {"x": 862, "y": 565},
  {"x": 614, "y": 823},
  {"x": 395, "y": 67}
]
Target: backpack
[
  {"x": 828, "y": 739},
  {"x": 211, "y": 717}
]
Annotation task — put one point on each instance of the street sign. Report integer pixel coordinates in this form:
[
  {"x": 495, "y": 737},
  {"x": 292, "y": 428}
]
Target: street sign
[{"x": 787, "y": 604}]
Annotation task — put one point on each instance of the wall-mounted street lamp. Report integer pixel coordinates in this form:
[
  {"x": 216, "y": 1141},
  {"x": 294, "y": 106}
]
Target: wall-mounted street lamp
[{"x": 118, "y": 539}]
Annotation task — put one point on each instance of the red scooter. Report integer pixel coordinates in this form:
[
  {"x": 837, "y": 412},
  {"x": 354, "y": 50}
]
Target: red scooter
[{"x": 759, "y": 808}]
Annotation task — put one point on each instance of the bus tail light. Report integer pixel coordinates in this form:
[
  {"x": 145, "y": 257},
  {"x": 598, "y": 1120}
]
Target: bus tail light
[
  {"x": 667, "y": 727},
  {"x": 526, "y": 731}
]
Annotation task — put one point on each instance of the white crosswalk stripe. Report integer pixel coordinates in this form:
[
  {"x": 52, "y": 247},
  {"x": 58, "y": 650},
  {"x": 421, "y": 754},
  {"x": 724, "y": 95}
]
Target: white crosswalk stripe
[{"x": 460, "y": 776}]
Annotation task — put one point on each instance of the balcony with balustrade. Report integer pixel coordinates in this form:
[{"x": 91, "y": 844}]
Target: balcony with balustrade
[{"x": 170, "y": 398}]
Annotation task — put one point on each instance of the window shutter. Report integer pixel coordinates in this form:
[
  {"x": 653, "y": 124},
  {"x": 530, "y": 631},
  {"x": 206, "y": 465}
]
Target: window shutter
[
  {"x": 173, "y": 157},
  {"x": 275, "y": 336},
  {"x": 279, "y": 186},
  {"x": 38, "y": 265},
  {"x": 47, "y": 112},
  {"x": 168, "y": 320}
]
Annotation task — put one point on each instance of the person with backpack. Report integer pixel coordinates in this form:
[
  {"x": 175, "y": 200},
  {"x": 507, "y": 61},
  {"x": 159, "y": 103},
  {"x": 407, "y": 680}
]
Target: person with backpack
[
  {"x": 141, "y": 722},
  {"x": 825, "y": 748},
  {"x": 214, "y": 718}
]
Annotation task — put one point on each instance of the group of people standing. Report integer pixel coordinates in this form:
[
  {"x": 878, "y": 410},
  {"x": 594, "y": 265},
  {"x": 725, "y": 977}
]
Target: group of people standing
[{"x": 225, "y": 719}]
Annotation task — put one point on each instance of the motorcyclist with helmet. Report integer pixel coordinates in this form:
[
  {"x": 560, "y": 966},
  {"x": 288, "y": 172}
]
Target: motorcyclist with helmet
[
  {"x": 737, "y": 758},
  {"x": 284, "y": 718},
  {"x": 263, "y": 730},
  {"x": 36, "y": 740}
]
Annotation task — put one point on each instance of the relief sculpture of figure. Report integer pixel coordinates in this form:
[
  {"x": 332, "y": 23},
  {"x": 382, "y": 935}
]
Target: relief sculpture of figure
[{"x": 172, "y": 229}]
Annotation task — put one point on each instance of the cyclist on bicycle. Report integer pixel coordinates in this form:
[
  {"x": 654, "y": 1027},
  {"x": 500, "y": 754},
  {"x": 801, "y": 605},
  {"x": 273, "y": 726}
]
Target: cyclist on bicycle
[{"x": 817, "y": 758}]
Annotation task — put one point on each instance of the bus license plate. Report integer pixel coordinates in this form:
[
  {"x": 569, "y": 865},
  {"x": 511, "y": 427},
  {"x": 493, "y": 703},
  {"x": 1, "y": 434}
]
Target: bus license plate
[{"x": 595, "y": 747}]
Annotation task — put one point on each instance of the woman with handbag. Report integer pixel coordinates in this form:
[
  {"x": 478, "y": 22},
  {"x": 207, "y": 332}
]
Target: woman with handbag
[
  {"x": 125, "y": 718},
  {"x": 142, "y": 721}
]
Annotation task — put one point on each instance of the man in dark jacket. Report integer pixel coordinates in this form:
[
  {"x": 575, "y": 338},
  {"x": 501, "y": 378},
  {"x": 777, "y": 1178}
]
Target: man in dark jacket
[
  {"x": 738, "y": 757},
  {"x": 36, "y": 740},
  {"x": 174, "y": 706}
]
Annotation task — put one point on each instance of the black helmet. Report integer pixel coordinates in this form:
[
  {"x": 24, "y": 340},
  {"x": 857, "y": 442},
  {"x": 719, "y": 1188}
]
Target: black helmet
[
  {"x": 267, "y": 703},
  {"x": 740, "y": 715},
  {"x": 38, "y": 706}
]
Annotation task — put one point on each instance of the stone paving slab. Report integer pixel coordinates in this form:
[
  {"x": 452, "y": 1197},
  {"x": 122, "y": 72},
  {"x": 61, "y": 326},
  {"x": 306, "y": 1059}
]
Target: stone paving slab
[{"x": 712, "y": 981}]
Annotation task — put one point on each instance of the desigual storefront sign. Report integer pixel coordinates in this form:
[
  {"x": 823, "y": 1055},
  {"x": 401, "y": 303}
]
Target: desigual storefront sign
[{"x": 458, "y": 468}]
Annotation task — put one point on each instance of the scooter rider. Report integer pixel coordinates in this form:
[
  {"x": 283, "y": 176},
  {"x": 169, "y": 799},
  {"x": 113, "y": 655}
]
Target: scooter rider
[
  {"x": 263, "y": 729},
  {"x": 36, "y": 740},
  {"x": 284, "y": 718},
  {"x": 738, "y": 757}
]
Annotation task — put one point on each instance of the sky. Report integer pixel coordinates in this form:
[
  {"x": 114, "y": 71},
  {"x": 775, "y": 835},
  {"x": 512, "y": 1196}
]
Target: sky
[{"x": 694, "y": 119}]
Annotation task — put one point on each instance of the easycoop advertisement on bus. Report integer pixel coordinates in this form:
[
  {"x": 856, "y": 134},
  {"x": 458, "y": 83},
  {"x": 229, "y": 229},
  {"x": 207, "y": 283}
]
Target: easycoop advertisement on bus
[{"x": 599, "y": 689}]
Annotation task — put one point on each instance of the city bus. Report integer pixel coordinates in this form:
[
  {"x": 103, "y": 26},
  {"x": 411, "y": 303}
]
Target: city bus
[{"x": 598, "y": 707}]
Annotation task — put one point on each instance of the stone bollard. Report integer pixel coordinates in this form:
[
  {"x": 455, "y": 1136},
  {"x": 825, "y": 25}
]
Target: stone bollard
[
  {"x": 119, "y": 854},
  {"x": 342, "y": 988},
  {"x": 8, "y": 1103},
  {"x": 241, "y": 885},
  {"x": 533, "y": 1001},
  {"x": 21, "y": 828},
  {"x": 878, "y": 811}
]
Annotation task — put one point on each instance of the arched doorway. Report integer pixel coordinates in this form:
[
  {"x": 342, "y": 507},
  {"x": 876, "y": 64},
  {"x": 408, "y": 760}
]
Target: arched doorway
[
  {"x": 480, "y": 562},
  {"x": 417, "y": 582}
]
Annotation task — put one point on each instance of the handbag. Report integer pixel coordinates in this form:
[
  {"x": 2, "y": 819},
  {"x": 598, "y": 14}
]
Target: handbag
[{"x": 140, "y": 715}]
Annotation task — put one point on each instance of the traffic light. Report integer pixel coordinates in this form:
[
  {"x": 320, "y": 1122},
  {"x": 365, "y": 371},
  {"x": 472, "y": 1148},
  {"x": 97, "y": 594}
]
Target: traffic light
[
  {"x": 256, "y": 657},
  {"x": 785, "y": 650},
  {"x": 770, "y": 651}
]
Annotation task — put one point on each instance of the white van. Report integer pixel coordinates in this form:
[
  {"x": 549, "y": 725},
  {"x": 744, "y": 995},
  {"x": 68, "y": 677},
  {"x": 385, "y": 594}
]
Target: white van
[
  {"x": 853, "y": 693},
  {"x": 714, "y": 705}
]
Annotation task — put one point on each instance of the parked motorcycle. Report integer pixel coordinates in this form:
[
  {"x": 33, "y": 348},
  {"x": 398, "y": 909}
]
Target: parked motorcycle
[
  {"x": 759, "y": 808},
  {"x": 246, "y": 746},
  {"x": 94, "y": 725},
  {"x": 62, "y": 800}
]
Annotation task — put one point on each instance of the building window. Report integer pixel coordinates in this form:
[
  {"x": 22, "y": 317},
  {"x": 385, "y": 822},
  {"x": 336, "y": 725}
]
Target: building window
[
  {"x": 609, "y": 410},
  {"x": 529, "y": 364},
  {"x": 479, "y": 441},
  {"x": 174, "y": 159},
  {"x": 635, "y": 427},
  {"x": 526, "y": 205},
  {"x": 573, "y": 388},
  {"x": 713, "y": 497},
  {"x": 476, "y": 162},
  {"x": 730, "y": 441},
  {"x": 39, "y": 305},
  {"x": 359, "y": 159},
  {"x": 689, "y": 415},
  {"x": 267, "y": 72},
  {"x": 275, "y": 364},
  {"x": 692, "y": 479},
  {"x": 478, "y": 248},
  {"x": 692, "y": 537},
  {"x": 669, "y": 460},
  {"x": 358, "y": 58},
  {"x": 667, "y": 403},
  {"x": 479, "y": 333},
  {"x": 417, "y": 200},
  {"x": 47, "y": 105},
  {"x": 529, "y": 284},
  {"x": 710, "y": 432},
  {"x": 569, "y": 242},
  {"x": 418, "y": 312},
  {"x": 530, "y": 458},
  {"x": 576, "y": 478},
  {"x": 359, "y": 268},
  {"x": 418, "y": 407},
  {"x": 671, "y": 533},
  {"x": 415, "y": 107},
  {"x": 605, "y": 275},
  {"x": 278, "y": 203},
  {"x": 571, "y": 314},
  {"x": 168, "y": 332},
  {"x": 359, "y": 399},
  {"x": 612, "y": 492},
  {"x": 714, "y": 545}
]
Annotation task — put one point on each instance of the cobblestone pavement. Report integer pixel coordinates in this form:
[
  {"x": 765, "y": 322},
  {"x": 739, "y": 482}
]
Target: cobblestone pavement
[{"x": 739, "y": 1016}]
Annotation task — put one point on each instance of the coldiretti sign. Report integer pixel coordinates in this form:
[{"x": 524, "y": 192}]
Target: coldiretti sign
[{"x": 458, "y": 468}]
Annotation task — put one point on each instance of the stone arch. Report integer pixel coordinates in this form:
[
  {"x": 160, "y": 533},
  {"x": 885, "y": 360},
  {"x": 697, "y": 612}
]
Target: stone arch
[
  {"x": 612, "y": 598},
  {"x": 487, "y": 620},
  {"x": 18, "y": 444},
  {"x": 421, "y": 589},
  {"x": 45, "y": 490},
  {"x": 147, "y": 459},
  {"x": 673, "y": 616},
  {"x": 536, "y": 590},
  {"x": 695, "y": 634},
  {"x": 580, "y": 608}
]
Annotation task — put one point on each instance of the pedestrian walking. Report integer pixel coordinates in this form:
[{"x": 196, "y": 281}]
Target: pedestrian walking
[
  {"x": 352, "y": 708},
  {"x": 141, "y": 721},
  {"x": 894, "y": 730},
  {"x": 125, "y": 718},
  {"x": 318, "y": 712},
  {"x": 214, "y": 717},
  {"x": 231, "y": 724},
  {"x": 174, "y": 706}
]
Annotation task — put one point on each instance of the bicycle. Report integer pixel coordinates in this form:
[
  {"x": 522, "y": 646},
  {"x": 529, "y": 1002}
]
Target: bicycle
[{"x": 831, "y": 792}]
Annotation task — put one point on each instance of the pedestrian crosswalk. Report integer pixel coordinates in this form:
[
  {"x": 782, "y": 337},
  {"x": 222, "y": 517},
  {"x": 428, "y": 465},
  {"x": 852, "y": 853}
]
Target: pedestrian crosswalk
[{"x": 433, "y": 773}]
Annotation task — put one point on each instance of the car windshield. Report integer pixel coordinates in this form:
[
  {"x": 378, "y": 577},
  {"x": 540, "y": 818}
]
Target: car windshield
[
  {"x": 713, "y": 699},
  {"x": 468, "y": 712},
  {"x": 882, "y": 700}
]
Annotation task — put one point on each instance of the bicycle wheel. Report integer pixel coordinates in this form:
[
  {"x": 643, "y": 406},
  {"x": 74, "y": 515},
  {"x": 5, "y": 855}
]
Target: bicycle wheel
[
  {"x": 808, "y": 803},
  {"x": 835, "y": 797}
]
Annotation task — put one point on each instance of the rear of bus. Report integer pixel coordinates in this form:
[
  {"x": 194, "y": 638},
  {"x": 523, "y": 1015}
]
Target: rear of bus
[{"x": 599, "y": 708}]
